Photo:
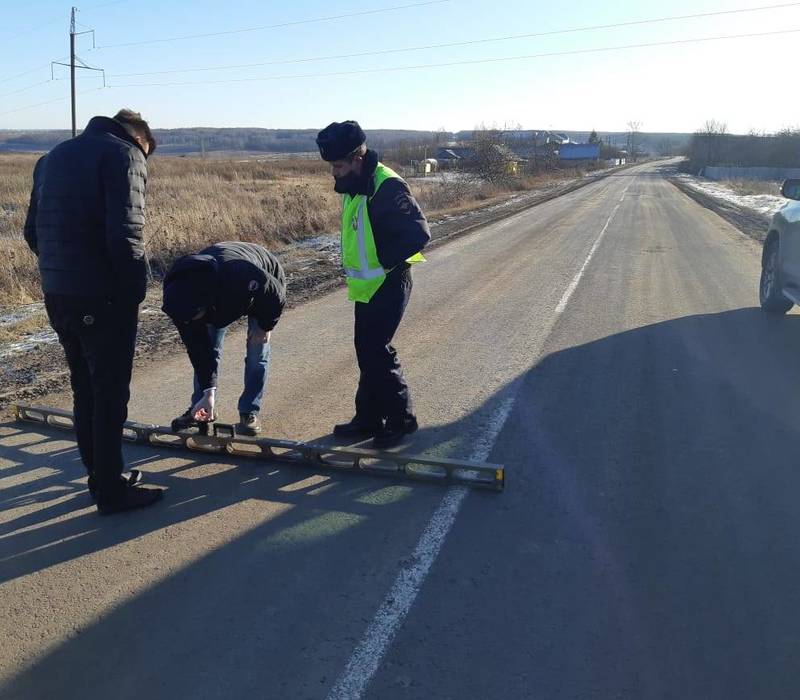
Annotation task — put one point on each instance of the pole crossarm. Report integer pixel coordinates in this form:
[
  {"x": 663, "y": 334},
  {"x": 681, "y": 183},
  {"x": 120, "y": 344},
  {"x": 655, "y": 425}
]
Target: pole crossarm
[
  {"x": 83, "y": 67},
  {"x": 225, "y": 441},
  {"x": 58, "y": 63}
]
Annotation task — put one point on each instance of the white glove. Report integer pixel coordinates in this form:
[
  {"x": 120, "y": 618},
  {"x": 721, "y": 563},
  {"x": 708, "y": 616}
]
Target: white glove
[{"x": 203, "y": 410}]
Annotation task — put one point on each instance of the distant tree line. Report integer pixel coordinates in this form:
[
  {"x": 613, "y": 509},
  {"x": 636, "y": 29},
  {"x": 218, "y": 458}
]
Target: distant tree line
[
  {"x": 199, "y": 139},
  {"x": 713, "y": 145}
]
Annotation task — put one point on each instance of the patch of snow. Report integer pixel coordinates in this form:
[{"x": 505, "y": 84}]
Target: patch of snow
[
  {"x": 17, "y": 347},
  {"x": 326, "y": 243},
  {"x": 20, "y": 313},
  {"x": 446, "y": 176},
  {"x": 766, "y": 204}
]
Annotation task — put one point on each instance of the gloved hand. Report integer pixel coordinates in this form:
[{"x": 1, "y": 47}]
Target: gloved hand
[{"x": 203, "y": 410}]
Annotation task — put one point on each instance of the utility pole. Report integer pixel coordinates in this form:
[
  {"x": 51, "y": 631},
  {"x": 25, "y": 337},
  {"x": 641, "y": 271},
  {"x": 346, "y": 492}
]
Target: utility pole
[
  {"x": 72, "y": 65},
  {"x": 72, "y": 69},
  {"x": 633, "y": 132}
]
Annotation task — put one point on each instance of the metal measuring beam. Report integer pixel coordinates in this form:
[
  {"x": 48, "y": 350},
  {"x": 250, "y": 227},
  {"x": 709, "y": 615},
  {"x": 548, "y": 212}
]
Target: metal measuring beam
[{"x": 224, "y": 440}]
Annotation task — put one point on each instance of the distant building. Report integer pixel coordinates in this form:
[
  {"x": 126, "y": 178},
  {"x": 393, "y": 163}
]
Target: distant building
[
  {"x": 579, "y": 153},
  {"x": 426, "y": 167},
  {"x": 455, "y": 153},
  {"x": 454, "y": 157},
  {"x": 547, "y": 137}
]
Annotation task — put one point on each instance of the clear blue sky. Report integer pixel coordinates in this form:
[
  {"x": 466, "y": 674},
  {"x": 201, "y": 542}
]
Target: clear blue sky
[{"x": 746, "y": 83}]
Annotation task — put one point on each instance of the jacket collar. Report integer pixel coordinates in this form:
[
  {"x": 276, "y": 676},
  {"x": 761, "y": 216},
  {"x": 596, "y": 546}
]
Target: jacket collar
[{"x": 107, "y": 125}]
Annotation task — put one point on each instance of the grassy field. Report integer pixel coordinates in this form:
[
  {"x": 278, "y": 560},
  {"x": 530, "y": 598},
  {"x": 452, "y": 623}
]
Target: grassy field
[{"x": 192, "y": 203}]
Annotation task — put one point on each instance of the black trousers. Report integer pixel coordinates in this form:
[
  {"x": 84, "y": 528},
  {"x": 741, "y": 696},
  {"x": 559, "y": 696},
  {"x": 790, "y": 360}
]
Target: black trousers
[
  {"x": 382, "y": 389},
  {"x": 99, "y": 338}
]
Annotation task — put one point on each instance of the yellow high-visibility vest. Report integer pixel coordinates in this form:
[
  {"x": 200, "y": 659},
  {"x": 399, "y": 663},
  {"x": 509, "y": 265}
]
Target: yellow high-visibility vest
[{"x": 365, "y": 274}]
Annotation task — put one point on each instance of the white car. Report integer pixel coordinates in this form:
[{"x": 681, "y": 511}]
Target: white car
[{"x": 779, "y": 288}]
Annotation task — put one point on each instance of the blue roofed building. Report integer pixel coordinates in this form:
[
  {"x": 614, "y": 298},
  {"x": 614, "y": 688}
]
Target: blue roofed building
[{"x": 575, "y": 153}]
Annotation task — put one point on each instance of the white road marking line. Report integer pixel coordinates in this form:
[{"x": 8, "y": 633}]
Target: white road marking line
[
  {"x": 575, "y": 280},
  {"x": 367, "y": 656}
]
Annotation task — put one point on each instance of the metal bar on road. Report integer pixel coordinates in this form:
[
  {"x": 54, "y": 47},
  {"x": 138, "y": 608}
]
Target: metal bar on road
[{"x": 225, "y": 441}]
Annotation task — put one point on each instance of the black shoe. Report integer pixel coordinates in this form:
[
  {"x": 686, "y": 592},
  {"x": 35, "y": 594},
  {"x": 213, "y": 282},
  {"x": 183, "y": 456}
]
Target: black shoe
[
  {"x": 129, "y": 498},
  {"x": 248, "y": 424},
  {"x": 358, "y": 427},
  {"x": 186, "y": 421},
  {"x": 133, "y": 477},
  {"x": 394, "y": 432}
]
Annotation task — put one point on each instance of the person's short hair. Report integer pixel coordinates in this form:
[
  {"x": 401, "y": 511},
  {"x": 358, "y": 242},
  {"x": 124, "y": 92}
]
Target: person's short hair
[
  {"x": 132, "y": 121},
  {"x": 360, "y": 151}
]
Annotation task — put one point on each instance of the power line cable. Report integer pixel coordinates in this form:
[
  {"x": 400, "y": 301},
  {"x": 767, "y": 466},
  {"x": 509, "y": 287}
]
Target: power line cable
[
  {"x": 49, "y": 102},
  {"x": 104, "y": 4},
  {"x": 47, "y": 24},
  {"x": 229, "y": 32},
  {"x": 574, "y": 52},
  {"x": 25, "y": 89},
  {"x": 30, "y": 30},
  {"x": 470, "y": 42},
  {"x": 27, "y": 72}
]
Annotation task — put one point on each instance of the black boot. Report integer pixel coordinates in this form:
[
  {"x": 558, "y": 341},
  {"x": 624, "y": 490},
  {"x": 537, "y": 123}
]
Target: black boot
[
  {"x": 358, "y": 427},
  {"x": 128, "y": 497},
  {"x": 394, "y": 432},
  {"x": 133, "y": 477}
]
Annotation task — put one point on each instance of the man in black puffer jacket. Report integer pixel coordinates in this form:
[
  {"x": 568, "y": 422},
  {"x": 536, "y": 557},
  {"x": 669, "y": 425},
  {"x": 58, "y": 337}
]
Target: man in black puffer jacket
[
  {"x": 203, "y": 294},
  {"x": 85, "y": 226}
]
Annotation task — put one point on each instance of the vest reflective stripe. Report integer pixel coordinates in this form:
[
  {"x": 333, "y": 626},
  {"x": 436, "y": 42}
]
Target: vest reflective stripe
[
  {"x": 365, "y": 274},
  {"x": 363, "y": 271}
]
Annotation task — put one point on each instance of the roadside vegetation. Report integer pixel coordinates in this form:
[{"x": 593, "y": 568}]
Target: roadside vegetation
[
  {"x": 753, "y": 187},
  {"x": 193, "y": 202},
  {"x": 712, "y": 145}
]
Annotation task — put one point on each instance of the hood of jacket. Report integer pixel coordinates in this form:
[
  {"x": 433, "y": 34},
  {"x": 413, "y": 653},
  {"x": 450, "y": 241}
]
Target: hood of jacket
[
  {"x": 190, "y": 285},
  {"x": 107, "y": 125}
]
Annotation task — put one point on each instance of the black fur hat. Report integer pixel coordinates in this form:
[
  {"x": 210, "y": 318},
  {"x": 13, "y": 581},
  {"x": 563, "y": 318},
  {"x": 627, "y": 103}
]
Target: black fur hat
[{"x": 339, "y": 139}]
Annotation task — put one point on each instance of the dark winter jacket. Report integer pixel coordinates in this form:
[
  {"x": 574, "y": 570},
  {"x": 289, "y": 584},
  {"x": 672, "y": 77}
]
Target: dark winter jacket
[
  {"x": 398, "y": 225},
  {"x": 228, "y": 280},
  {"x": 86, "y": 215}
]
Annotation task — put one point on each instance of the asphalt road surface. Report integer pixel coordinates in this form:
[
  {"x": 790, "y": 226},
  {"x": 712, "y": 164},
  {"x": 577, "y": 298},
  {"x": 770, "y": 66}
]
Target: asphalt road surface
[{"x": 605, "y": 347}]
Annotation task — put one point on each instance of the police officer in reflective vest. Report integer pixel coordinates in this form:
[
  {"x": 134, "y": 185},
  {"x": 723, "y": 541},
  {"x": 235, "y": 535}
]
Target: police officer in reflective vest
[{"x": 383, "y": 232}]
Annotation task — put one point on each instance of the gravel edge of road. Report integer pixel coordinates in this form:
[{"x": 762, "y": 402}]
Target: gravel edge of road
[{"x": 749, "y": 222}]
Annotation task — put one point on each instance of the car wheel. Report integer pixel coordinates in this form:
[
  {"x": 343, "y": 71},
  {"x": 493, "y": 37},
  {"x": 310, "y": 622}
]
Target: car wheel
[{"x": 769, "y": 288}]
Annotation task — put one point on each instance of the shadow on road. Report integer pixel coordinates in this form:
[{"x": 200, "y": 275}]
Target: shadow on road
[
  {"x": 649, "y": 526},
  {"x": 652, "y": 497}
]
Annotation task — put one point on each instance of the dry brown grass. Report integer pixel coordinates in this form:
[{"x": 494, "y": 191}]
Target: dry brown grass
[
  {"x": 19, "y": 279},
  {"x": 12, "y": 331},
  {"x": 192, "y": 203},
  {"x": 745, "y": 187}
]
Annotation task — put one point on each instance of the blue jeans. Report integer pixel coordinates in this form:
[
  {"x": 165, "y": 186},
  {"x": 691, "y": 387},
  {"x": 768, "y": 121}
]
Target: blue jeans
[{"x": 256, "y": 368}]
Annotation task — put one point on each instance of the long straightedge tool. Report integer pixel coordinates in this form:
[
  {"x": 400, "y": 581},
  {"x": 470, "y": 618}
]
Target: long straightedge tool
[{"x": 224, "y": 440}]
